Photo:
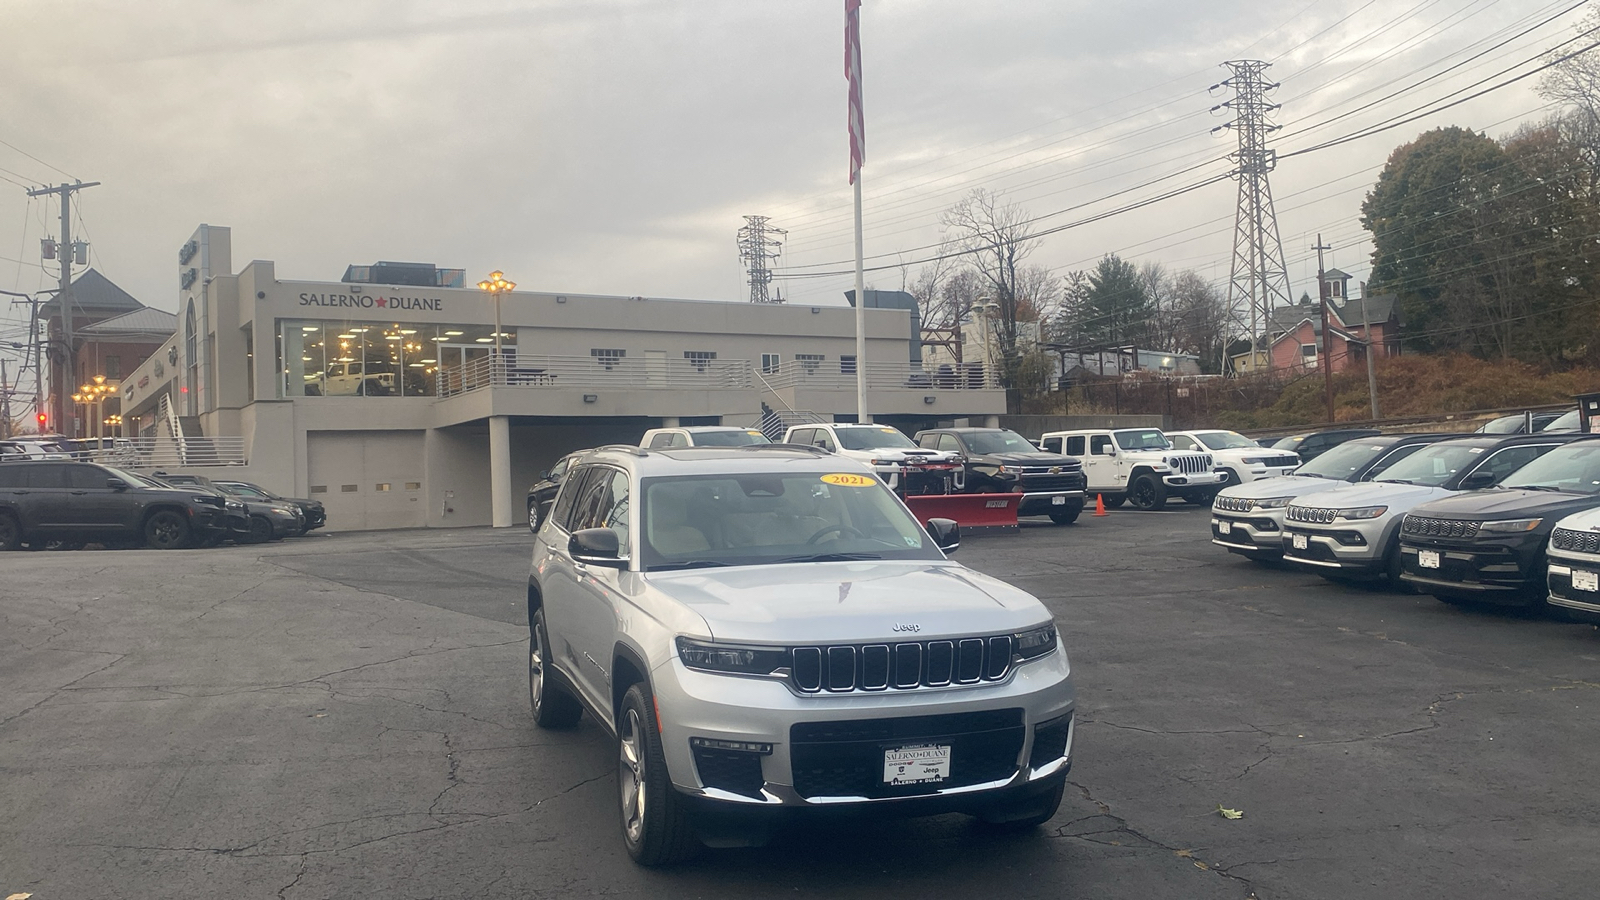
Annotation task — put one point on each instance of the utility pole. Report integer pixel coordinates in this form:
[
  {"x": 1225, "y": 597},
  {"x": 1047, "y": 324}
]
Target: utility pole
[
  {"x": 65, "y": 251},
  {"x": 1372, "y": 373},
  {"x": 5, "y": 403},
  {"x": 1327, "y": 335},
  {"x": 1260, "y": 279},
  {"x": 758, "y": 244}
]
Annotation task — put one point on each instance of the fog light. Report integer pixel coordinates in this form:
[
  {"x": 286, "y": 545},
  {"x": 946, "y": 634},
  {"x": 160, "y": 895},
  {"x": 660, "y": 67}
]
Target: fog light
[{"x": 741, "y": 746}]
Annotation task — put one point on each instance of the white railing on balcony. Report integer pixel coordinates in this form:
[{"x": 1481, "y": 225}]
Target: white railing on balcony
[
  {"x": 575, "y": 372},
  {"x": 826, "y": 375},
  {"x": 163, "y": 453}
]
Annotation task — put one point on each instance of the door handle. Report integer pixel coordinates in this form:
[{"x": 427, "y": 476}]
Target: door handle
[{"x": 76, "y": 493}]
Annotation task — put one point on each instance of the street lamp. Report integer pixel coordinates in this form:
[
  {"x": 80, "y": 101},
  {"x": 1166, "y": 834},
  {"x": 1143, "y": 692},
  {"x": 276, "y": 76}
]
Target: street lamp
[
  {"x": 115, "y": 421},
  {"x": 496, "y": 284},
  {"x": 94, "y": 394}
]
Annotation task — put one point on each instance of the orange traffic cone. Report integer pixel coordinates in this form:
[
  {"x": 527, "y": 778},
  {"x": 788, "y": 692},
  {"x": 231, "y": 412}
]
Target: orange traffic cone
[{"x": 1099, "y": 504}]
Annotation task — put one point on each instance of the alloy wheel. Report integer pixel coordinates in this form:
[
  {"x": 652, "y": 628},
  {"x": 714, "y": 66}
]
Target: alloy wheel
[
  {"x": 536, "y": 667},
  {"x": 631, "y": 776}
]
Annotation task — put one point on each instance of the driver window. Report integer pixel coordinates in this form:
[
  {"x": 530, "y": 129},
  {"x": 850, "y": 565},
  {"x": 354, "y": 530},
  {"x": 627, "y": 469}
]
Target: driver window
[
  {"x": 83, "y": 478},
  {"x": 824, "y": 440},
  {"x": 661, "y": 441},
  {"x": 612, "y": 509},
  {"x": 1511, "y": 459},
  {"x": 1052, "y": 444},
  {"x": 1100, "y": 445},
  {"x": 949, "y": 442}
]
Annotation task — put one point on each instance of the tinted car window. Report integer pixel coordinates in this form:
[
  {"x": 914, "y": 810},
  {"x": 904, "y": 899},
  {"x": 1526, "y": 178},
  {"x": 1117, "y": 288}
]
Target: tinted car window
[
  {"x": 1513, "y": 458},
  {"x": 1101, "y": 444},
  {"x": 571, "y": 490},
  {"x": 802, "y": 436},
  {"x": 86, "y": 478},
  {"x": 11, "y": 477},
  {"x": 1075, "y": 445},
  {"x": 593, "y": 502},
  {"x": 46, "y": 475},
  {"x": 949, "y": 442},
  {"x": 730, "y": 438},
  {"x": 1052, "y": 444}
]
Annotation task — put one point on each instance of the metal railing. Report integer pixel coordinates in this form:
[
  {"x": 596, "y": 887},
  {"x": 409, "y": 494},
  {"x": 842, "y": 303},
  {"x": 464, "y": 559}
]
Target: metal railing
[
  {"x": 158, "y": 452},
  {"x": 574, "y": 372},
  {"x": 820, "y": 374}
]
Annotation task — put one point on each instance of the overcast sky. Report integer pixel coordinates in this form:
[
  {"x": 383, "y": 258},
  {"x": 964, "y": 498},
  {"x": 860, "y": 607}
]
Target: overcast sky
[{"x": 612, "y": 146}]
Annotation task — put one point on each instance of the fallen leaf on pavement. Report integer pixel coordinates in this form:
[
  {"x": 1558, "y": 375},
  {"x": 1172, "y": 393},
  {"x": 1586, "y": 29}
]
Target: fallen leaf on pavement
[{"x": 1229, "y": 813}]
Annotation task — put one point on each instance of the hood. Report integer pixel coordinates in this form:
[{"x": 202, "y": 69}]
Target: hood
[
  {"x": 1398, "y": 497},
  {"x": 900, "y": 454},
  {"x": 1588, "y": 520},
  {"x": 1024, "y": 458},
  {"x": 1506, "y": 503},
  {"x": 850, "y": 602},
  {"x": 1279, "y": 486}
]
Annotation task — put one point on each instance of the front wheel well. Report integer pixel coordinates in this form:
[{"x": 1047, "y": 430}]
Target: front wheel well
[
  {"x": 627, "y": 670},
  {"x": 535, "y": 600}
]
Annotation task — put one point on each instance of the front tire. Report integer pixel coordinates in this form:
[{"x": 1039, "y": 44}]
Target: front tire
[
  {"x": 260, "y": 530},
  {"x": 535, "y": 518},
  {"x": 551, "y": 704},
  {"x": 166, "y": 530},
  {"x": 1147, "y": 492},
  {"x": 655, "y": 821},
  {"x": 1066, "y": 515}
]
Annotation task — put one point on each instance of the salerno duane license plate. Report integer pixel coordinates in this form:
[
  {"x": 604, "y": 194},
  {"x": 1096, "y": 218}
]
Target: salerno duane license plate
[{"x": 918, "y": 764}]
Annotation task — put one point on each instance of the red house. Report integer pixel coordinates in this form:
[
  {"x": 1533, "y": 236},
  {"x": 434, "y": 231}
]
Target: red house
[
  {"x": 112, "y": 334},
  {"x": 1352, "y": 322}
]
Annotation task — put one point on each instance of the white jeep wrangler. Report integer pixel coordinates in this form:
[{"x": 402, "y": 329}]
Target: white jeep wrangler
[{"x": 1137, "y": 465}]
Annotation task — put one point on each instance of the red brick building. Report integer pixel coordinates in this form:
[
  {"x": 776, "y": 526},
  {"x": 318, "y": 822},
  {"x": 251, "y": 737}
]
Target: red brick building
[
  {"x": 1352, "y": 322},
  {"x": 112, "y": 334}
]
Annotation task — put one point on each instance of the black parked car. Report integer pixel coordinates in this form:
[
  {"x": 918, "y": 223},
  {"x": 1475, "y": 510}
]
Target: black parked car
[
  {"x": 543, "y": 492},
  {"x": 1314, "y": 443},
  {"x": 266, "y": 520},
  {"x": 1000, "y": 461},
  {"x": 43, "y": 501},
  {"x": 316, "y": 515},
  {"x": 1489, "y": 545},
  {"x": 1518, "y": 424}
]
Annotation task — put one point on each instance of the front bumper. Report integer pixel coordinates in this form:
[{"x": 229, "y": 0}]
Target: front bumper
[
  {"x": 1351, "y": 547},
  {"x": 1252, "y": 473},
  {"x": 1503, "y": 569},
  {"x": 1582, "y": 604},
  {"x": 1191, "y": 480},
  {"x": 827, "y": 751},
  {"x": 1256, "y": 533},
  {"x": 1045, "y": 502}
]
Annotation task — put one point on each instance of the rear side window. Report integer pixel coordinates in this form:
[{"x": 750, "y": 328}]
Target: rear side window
[
  {"x": 45, "y": 475},
  {"x": 11, "y": 477},
  {"x": 1075, "y": 445}
]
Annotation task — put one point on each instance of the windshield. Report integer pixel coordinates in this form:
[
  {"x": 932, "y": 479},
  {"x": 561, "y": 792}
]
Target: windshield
[
  {"x": 738, "y": 438},
  {"x": 1505, "y": 425},
  {"x": 1289, "y": 443},
  {"x": 1226, "y": 440},
  {"x": 765, "y": 518},
  {"x": 1003, "y": 441},
  {"x": 1433, "y": 466},
  {"x": 873, "y": 439},
  {"x": 240, "y": 489},
  {"x": 1567, "y": 421},
  {"x": 136, "y": 480},
  {"x": 1142, "y": 439},
  {"x": 1574, "y": 468},
  {"x": 1343, "y": 461}
]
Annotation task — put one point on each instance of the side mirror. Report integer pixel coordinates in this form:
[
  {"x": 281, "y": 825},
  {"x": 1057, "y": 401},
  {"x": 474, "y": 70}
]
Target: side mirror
[
  {"x": 946, "y": 534},
  {"x": 116, "y": 484},
  {"x": 542, "y": 476},
  {"x": 597, "y": 547},
  {"x": 1477, "y": 481}
]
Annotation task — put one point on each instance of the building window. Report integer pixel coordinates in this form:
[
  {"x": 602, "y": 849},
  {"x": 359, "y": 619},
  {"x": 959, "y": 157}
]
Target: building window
[
  {"x": 701, "y": 359},
  {"x": 1308, "y": 354},
  {"x": 1336, "y": 288},
  {"x": 114, "y": 368},
  {"x": 770, "y": 363},
  {"x": 809, "y": 362},
  {"x": 847, "y": 365},
  {"x": 608, "y": 358}
]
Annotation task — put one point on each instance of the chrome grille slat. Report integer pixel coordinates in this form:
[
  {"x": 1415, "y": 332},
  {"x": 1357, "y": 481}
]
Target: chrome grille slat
[
  {"x": 846, "y": 668},
  {"x": 1453, "y": 529},
  {"x": 1313, "y": 514}
]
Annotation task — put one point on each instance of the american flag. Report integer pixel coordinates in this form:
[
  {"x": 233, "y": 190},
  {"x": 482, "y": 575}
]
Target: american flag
[{"x": 852, "y": 74}]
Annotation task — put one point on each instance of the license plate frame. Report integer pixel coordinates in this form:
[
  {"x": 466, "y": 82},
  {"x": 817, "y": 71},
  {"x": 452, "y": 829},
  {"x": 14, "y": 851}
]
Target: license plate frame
[
  {"x": 1058, "y": 501},
  {"x": 1428, "y": 559},
  {"x": 1585, "y": 581},
  {"x": 1300, "y": 541},
  {"x": 916, "y": 764},
  {"x": 1224, "y": 526}
]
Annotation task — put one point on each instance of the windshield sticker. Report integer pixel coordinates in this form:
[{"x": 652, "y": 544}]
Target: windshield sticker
[
  {"x": 843, "y": 479},
  {"x": 1474, "y": 449},
  {"x": 753, "y": 433}
]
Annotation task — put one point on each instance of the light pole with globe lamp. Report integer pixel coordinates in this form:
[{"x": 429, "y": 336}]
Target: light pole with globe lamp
[{"x": 496, "y": 285}]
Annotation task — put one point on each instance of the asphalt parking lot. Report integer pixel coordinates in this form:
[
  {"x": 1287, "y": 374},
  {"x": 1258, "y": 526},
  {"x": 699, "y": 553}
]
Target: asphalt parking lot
[{"x": 346, "y": 716}]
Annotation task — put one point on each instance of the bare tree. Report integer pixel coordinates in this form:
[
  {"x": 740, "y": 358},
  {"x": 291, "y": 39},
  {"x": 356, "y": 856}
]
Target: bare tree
[
  {"x": 1038, "y": 294},
  {"x": 1200, "y": 318},
  {"x": 1161, "y": 332},
  {"x": 930, "y": 290},
  {"x": 994, "y": 236}
]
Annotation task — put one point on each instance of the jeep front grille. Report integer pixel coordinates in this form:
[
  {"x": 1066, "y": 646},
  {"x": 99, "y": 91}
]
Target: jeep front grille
[
  {"x": 1422, "y": 526},
  {"x": 1313, "y": 514},
  {"x": 1192, "y": 463},
  {"x": 1232, "y": 504},
  {"x": 842, "y": 668},
  {"x": 1575, "y": 541},
  {"x": 1285, "y": 460}
]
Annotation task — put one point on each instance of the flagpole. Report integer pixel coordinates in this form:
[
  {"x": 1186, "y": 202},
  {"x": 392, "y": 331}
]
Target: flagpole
[{"x": 861, "y": 320}]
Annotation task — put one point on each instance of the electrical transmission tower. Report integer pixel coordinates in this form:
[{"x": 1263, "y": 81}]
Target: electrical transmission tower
[
  {"x": 1259, "y": 282},
  {"x": 759, "y": 245}
]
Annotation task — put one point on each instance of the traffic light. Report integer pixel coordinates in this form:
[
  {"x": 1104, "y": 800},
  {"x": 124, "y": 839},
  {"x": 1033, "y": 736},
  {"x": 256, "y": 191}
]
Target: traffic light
[{"x": 44, "y": 419}]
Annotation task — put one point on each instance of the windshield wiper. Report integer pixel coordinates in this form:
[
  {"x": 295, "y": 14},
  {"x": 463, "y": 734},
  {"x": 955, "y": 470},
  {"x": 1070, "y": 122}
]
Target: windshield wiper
[
  {"x": 689, "y": 564},
  {"x": 1540, "y": 487},
  {"x": 1395, "y": 481},
  {"x": 831, "y": 557}
]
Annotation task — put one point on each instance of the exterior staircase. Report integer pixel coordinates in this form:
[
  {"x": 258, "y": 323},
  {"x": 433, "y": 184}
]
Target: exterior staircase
[{"x": 774, "y": 422}]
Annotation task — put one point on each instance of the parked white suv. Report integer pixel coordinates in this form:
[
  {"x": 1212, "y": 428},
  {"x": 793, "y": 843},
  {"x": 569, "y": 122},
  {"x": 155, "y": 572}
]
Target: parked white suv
[
  {"x": 1239, "y": 460},
  {"x": 893, "y": 456},
  {"x": 701, "y": 436},
  {"x": 1138, "y": 465},
  {"x": 766, "y": 631}
]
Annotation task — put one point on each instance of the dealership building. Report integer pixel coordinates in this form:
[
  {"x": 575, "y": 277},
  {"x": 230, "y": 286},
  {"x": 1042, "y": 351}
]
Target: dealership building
[{"x": 382, "y": 394}]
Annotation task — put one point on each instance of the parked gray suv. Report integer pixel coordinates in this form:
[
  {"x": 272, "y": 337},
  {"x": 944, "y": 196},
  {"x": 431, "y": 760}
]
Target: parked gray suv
[{"x": 767, "y": 632}]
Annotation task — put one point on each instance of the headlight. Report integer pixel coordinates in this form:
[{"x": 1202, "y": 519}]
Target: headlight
[
  {"x": 1001, "y": 469},
  {"x": 708, "y": 657},
  {"x": 283, "y": 510},
  {"x": 1035, "y": 642},
  {"x": 1254, "y": 460},
  {"x": 235, "y": 504},
  {"x": 1511, "y": 526},
  {"x": 1365, "y": 512},
  {"x": 1272, "y": 503}
]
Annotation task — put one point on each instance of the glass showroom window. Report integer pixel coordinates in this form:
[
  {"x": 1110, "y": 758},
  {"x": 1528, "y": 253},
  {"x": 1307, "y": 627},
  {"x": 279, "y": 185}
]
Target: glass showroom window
[{"x": 377, "y": 359}]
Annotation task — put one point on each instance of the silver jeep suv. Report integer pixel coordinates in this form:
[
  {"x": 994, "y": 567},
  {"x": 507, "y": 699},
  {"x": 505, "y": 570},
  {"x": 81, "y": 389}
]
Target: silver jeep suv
[{"x": 768, "y": 632}]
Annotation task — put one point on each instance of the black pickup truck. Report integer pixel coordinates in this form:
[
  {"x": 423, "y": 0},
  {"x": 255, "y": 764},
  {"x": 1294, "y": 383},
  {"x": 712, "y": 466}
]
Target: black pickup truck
[
  {"x": 1000, "y": 461},
  {"x": 44, "y": 500}
]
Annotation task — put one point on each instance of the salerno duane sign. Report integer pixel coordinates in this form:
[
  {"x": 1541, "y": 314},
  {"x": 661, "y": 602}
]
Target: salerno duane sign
[{"x": 371, "y": 301}]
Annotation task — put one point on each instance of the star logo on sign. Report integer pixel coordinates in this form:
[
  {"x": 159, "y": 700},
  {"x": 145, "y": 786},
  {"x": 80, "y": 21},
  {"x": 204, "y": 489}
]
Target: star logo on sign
[{"x": 383, "y": 301}]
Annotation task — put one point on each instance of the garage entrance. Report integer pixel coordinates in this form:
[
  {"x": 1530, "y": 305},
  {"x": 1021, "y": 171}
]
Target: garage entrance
[{"x": 367, "y": 479}]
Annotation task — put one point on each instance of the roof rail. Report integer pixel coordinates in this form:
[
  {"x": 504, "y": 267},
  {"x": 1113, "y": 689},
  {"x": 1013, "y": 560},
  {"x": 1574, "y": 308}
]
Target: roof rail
[
  {"x": 780, "y": 445},
  {"x": 625, "y": 448}
]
